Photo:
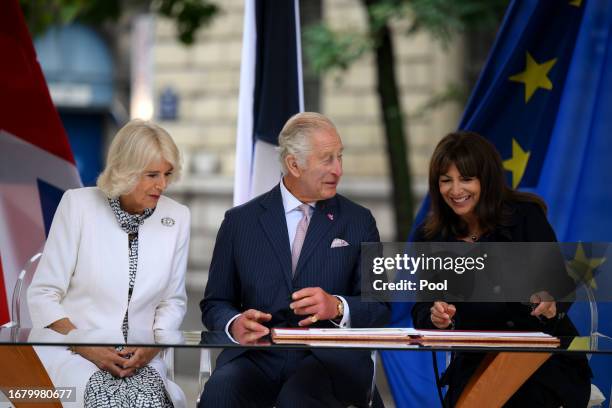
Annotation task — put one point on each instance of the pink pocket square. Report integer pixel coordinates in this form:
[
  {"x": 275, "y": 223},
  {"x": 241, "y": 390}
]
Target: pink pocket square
[{"x": 337, "y": 242}]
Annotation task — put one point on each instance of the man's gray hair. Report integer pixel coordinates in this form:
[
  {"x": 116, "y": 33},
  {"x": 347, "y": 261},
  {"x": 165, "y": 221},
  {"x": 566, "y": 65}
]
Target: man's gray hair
[{"x": 294, "y": 138}]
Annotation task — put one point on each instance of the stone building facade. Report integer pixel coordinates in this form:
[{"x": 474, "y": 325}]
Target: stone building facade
[{"x": 206, "y": 76}]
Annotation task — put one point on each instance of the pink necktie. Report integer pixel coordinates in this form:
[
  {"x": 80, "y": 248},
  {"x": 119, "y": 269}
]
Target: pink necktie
[{"x": 300, "y": 234}]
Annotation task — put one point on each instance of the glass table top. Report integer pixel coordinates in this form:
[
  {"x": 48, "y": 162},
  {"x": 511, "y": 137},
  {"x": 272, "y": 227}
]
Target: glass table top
[{"x": 596, "y": 343}]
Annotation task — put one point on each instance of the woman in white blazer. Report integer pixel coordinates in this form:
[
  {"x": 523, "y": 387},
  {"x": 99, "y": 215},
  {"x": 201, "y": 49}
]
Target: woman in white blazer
[{"x": 115, "y": 259}]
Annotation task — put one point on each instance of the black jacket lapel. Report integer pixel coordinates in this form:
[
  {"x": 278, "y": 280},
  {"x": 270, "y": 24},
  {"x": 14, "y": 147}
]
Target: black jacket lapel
[{"x": 274, "y": 224}]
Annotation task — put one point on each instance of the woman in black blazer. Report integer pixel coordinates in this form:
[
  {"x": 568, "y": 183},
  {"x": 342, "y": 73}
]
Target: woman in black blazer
[{"x": 470, "y": 202}]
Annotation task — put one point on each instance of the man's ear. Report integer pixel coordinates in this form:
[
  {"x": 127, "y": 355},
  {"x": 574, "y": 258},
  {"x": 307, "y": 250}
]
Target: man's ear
[{"x": 292, "y": 165}]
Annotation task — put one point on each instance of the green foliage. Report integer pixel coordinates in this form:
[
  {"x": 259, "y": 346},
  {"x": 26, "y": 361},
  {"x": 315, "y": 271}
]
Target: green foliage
[
  {"x": 190, "y": 15},
  {"x": 330, "y": 50},
  {"x": 327, "y": 50},
  {"x": 385, "y": 11},
  {"x": 453, "y": 92},
  {"x": 443, "y": 18},
  {"x": 40, "y": 14}
]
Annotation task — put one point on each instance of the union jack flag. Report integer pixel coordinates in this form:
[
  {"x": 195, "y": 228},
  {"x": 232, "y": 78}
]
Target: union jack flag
[{"x": 36, "y": 163}]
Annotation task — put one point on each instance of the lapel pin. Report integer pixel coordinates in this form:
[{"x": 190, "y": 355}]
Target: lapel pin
[
  {"x": 167, "y": 222},
  {"x": 330, "y": 216}
]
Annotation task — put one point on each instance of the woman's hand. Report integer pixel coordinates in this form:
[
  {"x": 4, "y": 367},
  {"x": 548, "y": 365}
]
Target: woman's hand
[
  {"x": 137, "y": 357},
  {"x": 546, "y": 305},
  {"x": 105, "y": 358},
  {"x": 442, "y": 314}
]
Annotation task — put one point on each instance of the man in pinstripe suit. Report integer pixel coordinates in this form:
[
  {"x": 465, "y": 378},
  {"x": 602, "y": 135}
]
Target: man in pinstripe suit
[{"x": 290, "y": 257}]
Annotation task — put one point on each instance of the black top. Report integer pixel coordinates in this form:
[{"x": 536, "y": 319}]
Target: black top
[{"x": 527, "y": 223}]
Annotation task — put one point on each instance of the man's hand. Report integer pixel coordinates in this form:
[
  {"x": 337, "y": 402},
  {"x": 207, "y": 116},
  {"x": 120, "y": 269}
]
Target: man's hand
[
  {"x": 247, "y": 329},
  {"x": 442, "y": 314},
  {"x": 546, "y": 305},
  {"x": 136, "y": 357},
  {"x": 315, "y": 302},
  {"x": 105, "y": 358}
]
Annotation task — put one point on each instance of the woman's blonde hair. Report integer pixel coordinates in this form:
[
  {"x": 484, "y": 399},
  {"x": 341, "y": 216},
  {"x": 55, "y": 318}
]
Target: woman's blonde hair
[{"x": 138, "y": 144}]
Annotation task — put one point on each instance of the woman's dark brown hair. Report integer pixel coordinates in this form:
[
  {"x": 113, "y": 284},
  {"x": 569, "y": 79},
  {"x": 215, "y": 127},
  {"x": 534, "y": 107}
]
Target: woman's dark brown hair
[{"x": 474, "y": 156}]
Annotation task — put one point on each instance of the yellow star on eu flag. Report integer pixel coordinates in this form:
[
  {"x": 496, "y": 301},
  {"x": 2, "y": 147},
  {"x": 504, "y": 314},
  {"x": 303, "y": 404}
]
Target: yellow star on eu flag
[
  {"x": 576, "y": 3},
  {"x": 581, "y": 267},
  {"x": 535, "y": 76},
  {"x": 518, "y": 163}
]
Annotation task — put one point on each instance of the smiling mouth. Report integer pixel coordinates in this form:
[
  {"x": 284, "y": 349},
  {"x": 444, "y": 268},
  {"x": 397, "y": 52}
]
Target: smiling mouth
[{"x": 461, "y": 200}]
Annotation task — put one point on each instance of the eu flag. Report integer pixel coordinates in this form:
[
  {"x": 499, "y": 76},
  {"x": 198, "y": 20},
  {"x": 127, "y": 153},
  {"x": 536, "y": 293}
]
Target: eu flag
[{"x": 544, "y": 98}]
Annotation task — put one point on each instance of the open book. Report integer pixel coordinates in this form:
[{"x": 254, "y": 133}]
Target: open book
[{"x": 414, "y": 336}]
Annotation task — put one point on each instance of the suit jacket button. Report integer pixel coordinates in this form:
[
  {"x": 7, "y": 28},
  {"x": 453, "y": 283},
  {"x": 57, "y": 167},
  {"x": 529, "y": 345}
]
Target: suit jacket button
[{"x": 510, "y": 323}]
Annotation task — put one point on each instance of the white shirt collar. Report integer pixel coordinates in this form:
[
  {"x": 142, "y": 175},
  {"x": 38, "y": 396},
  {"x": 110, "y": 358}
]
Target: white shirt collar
[{"x": 290, "y": 202}]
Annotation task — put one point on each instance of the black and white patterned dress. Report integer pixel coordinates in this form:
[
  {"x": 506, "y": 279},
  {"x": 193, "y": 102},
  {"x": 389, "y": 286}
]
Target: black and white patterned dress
[{"x": 144, "y": 389}]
